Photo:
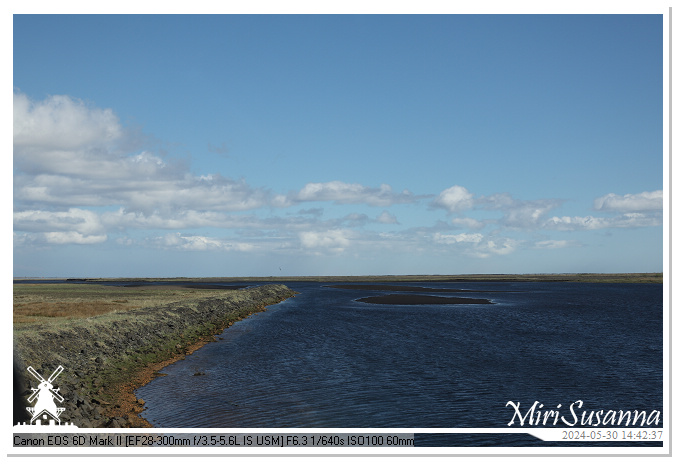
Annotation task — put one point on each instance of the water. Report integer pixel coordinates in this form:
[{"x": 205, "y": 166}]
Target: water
[{"x": 323, "y": 359}]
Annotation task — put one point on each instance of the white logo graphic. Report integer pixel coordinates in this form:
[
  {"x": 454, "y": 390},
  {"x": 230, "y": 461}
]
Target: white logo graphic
[{"x": 45, "y": 408}]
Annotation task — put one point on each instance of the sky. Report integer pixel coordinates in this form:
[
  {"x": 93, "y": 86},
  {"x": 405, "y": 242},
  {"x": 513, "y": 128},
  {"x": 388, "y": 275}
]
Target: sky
[{"x": 286, "y": 145}]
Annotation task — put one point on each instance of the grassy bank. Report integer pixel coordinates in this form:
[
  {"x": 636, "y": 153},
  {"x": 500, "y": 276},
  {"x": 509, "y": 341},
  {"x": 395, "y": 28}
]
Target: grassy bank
[
  {"x": 36, "y": 303},
  {"x": 106, "y": 353}
]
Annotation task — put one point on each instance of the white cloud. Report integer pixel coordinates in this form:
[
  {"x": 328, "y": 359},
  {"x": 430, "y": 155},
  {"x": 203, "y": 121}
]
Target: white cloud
[
  {"x": 467, "y": 223},
  {"x": 518, "y": 214},
  {"x": 387, "y": 218},
  {"x": 496, "y": 201},
  {"x": 33, "y": 239},
  {"x": 458, "y": 238},
  {"x": 477, "y": 244},
  {"x": 73, "y": 226},
  {"x": 454, "y": 199},
  {"x": 80, "y": 220},
  {"x": 200, "y": 243},
  {"x": 343, "y": 193},
  {"x": 67, "y": 154},
  {"x": 331, "y": 240},
  {"x": 61, "y": 124},
  {"x": 553, "y": 244},
  {"x": 644, "y": 201},
  {"x": 627, "y": 220},
  {"x": 640, "y": 210},
  {"x": 528, "y": 214},
  {"x": 70, "y": 156},
  {"x": 62, "y": 238},
  {"x": 140, "y": 191},
  {"x": 502, "y": 246}
]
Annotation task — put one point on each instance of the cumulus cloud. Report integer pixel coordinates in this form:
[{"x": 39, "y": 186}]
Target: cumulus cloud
[
  {"x": 449, "y": 239},
  {"x": 477, "y": 244},
  {"x": 344, "y": 193},
  {"x": 77, "y": 181},
  {"x": 80, "y": 220},
  {"x": 67, "y": 154},
  {"x": 140, "y": 190},
  {"x": 328, "y": 240},
  {"x": 72, "y": 236},
  {"x": 199, "y": 243},
  {"x": 387, "y": 218},
  {"x": 496, "y": 201},
  {"x": 631, "y": 202},
  {"x": 626, "y": 220},
  {"x": 517, "y": 213},
  {"x": 502, "y": 246},
  {"x": 76, "y": 225},
  {"x": 454, "y": 199},
  {"x": 60, "y": 125},
  {"x": 554, "y": 244},
  {"x": 468, "y": 223},
  {"x": 528, "y": 214}
]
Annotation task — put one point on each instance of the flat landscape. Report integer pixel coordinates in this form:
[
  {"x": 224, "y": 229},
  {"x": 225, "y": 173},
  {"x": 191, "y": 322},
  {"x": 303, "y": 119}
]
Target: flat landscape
[
  {"x": 651, "y": 277},
  {"x": 43, "y": 302},
  {"x": 35, "y": 303},
  {"x": 119, "y": 332}
]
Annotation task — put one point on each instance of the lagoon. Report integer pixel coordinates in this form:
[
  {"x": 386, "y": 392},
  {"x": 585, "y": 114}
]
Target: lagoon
[{"x": 327, "y": 359}]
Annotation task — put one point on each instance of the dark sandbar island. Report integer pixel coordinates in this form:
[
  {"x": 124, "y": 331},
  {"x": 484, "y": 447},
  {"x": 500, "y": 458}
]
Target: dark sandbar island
[{"x": 400, "y": 299}]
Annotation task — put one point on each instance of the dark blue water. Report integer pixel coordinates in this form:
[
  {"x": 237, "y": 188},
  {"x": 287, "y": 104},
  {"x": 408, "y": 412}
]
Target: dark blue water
[{"x": 322, "y": 359}]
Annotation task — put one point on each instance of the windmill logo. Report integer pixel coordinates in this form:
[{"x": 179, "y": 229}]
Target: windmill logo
[{"x": 44, "y": 396}]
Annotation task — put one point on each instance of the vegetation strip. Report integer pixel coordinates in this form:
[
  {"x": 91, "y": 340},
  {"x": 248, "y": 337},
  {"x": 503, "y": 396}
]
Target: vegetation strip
[{"x": 106, "y": 357}]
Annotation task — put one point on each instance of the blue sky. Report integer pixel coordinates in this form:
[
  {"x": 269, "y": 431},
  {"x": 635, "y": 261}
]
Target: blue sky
[{"x": 231, "y": 145}]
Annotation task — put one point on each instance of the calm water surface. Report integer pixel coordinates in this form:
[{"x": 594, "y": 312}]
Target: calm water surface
[{"x": 322, "y": 359}]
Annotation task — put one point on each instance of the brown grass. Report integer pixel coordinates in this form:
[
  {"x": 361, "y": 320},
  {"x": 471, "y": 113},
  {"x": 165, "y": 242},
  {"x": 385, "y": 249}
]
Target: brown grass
[
  {"x": 31, "y": 312},
  {"x": 50, "y": 302}
]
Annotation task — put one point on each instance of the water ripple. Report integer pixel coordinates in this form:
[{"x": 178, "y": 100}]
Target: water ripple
[{"x": 325, "y": 360}]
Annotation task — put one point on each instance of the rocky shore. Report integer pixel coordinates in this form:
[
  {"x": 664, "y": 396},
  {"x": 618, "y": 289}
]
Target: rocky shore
[{"x": 106, "y": 357}]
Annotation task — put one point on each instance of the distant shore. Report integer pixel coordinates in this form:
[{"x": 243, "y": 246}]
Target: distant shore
[{"x": 653, "y": 278}]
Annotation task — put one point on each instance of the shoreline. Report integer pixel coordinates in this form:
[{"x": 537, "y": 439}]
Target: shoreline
[
  {"x": 130, "y": 407},
  {"x": 107, "y": 357}
]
